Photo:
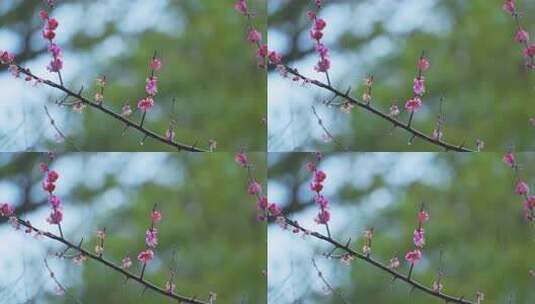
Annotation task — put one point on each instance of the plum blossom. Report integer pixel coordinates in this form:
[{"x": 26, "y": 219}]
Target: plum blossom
[
  {"x": 419, "y": 86},
  {"x": 126, "y": 262},
  {"x": 254, "y": 36},
  {"x": 509, "y": 6},
  {"x": 241, "y": 7},
  {"x": 509, "y": 159},
  {"x": 155, "y": 216},
  {"x": 423, "y": 64},
  {"x": 241, "y": 159},
  {"x": 6, "y": 57},
  {"x": 145, "y": 104},
  {"x": 413, "y": 104},
  {"x": 145, "y": 256},
  {"x": 254, "y": 188},
  {"x": 151, "y": 237},
  {"x": 418, "y": 237},
  {"x": 155, "y": 64},
  {"x": 152, "y": 85},
  {"x": 414, "y": 256},
  {"x": 521, "y": 36},
  {"x": 6, "y": 210},
  {"x": 521, "y": 188}
]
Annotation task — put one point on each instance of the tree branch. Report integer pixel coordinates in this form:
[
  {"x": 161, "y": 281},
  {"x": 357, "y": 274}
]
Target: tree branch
[
  {"x": 379, "y": 113},
  {"x": 146, "y": 284},
  {"x": 110, "y": 112},
  {"x": 397, "y": 275}
]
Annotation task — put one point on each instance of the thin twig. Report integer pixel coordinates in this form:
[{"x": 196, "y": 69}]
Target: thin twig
[{"x": 326, "y": 283}]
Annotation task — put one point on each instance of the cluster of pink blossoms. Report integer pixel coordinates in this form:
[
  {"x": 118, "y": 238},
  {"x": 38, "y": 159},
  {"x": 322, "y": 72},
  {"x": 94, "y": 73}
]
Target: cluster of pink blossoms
[
  {"x": 319, "y": 24},
  {"x": 255, "y": 37},
  {"x": 418, "y": 239},
  {"x": 264, "y": 208},
  {"x": 418, "y": 87},
  {"x": 49, "y": 185},
  {"x": 6, "y": 210},
  {"x": 51, "y": 24},
  {"x": 316, "y": 186},
  {"x": 151, "y": 86},
  {"x": 521, "y": 35},
  {"x": 151, "y": 240},
  {"x": 521, "y": 188}
]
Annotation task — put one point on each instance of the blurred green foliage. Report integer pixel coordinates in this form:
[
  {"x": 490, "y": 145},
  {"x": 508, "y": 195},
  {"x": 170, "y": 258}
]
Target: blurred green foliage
[
  {"x": 475, "y": 65},
  {"x": 208, "y": 67},
  {"x": 208, "y": 225},
  {"x": 475, "y": 221}
]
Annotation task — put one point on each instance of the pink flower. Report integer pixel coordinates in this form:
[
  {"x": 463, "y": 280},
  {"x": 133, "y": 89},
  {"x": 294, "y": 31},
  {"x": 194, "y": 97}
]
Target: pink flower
[
  {"x": 529, "y": 204},
  {"x": 323, "y": 65},
  {"x": 311, "y": 167},
  {"x": 152, "y": 85},
  {"x": 262, "y": 51},
  {"x": 322, "y": 201},
  {"x": 241, "y": 7},
  {"x": 394, "y": 263},
  {"x": 323, "y": 217},
  {"x": 418, "y": 238},
  {"x": 423, "y": 217},
  {"x": 55, "y": 65},
  {"x": 274, "y": 209},
  {"x": 151, "y": 237},
  {"x": 126, "y": 111},
  {"x": 521, "y": 188},
  {"x": 319, "y": 176},
  {"x": 56, "y": 216},
  {"x": 530, "y": 50},
  {"x": 413, "y": 256},
  {"x": 509, "y": 6},
  {"x": 126, "y": 262},
  {"x": 254, "y": 188},
  {"x": 155, "y": 216},
  {"x": 521, "y": 36},
  {"x": 52, "y": 24},
  {"x": 423, "y": 64},
  {"x": 43, "y": 15},
  {"x": 155, "y": 64},
  {"x": 275, "y": 57},
  {"x": 319, "y": 24},
  {"x": 55, "y": 50},
  {"x": 509, "y": 159},
  {"x": 52, "y": 176},
  {"x": 322, "y": 50},
  {"x": 413, "y": 104},
  {"x": 54, "y": 201},
  {"x": 316, "y": 187},
  {"x": 241, "y": 159},
  {"x": 43, "y": 167},
  {"x": 48, "y": 34},
  {"x": 418, "y": 86},
  {"x": 316, "y": 35},
  {"x": 254, "y": 36},
  {"x": 6, "y": 210},
  {"x": 49, "y": 187},
  {"x": 6, "y": 57},
  {"x": 145, "y": 104},
  {"x": 145, "y": 256},
  {"x": 262, "y": 203}
]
